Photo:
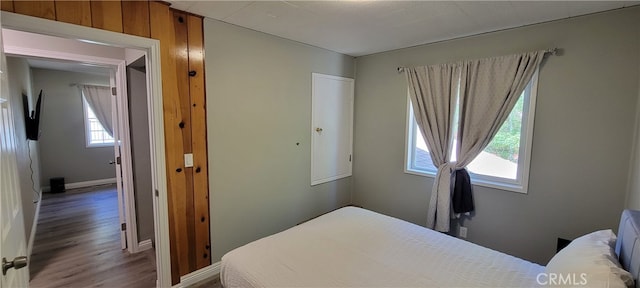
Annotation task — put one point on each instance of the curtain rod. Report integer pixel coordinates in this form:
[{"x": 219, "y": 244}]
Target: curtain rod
[
  {"x": 85, "y": 84},
  {"x": 552, "y": 51}
]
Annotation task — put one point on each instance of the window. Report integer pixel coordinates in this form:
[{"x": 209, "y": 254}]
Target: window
[
  {"x": 96, "y": 135},
  {"x": 504, "y": 163}
]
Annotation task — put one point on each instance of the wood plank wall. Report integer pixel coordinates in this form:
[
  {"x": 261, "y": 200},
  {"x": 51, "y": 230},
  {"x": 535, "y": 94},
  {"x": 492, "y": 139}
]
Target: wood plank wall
[
  {"x": 183, "y": 87},
  {"x": 198, "y": 131}
]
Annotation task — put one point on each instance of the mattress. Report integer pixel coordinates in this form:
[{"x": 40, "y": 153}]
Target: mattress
[{"x": 353, "y": 247}]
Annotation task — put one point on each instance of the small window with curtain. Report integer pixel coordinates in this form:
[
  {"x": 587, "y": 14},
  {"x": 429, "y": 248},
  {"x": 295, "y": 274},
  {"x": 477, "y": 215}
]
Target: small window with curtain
[
  {"x": 503, "y": 164},
  {"x": 96, "y": 135}
]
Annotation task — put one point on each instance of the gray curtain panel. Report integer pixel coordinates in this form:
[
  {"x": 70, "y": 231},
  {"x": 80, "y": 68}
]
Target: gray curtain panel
[
  {"x": 488, "y": 91},
  {"x": 433, "y": 91},
  {"x": 99, "y": 99}
]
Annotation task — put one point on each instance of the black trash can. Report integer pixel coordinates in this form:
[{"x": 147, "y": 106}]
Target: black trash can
[{"x": 57, "y": 184}]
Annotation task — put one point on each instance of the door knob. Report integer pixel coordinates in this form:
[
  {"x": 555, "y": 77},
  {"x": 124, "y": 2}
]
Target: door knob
[{"x": 17, "y": 263}]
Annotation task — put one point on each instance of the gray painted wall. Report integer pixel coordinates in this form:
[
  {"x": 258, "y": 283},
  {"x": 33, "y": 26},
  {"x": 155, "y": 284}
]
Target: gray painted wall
[
  {"x": 27, "y": 151},
  {"x": 140, "y": 150},
  {"x": 63, "y": 151},
  {"x": 584, "y": 128},
  {"x": 258, "y": 108}
]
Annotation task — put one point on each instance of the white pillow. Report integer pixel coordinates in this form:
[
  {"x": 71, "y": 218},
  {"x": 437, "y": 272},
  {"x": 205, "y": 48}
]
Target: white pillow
[{"x": 588, "y": 261}]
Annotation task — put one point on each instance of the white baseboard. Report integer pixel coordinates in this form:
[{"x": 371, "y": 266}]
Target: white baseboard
[
  {"x": 144, "y": 245},
  {"x": 32, "y": 234},
  {"x": 198, "y": 276},
  {"x": 84, "y": 184}
]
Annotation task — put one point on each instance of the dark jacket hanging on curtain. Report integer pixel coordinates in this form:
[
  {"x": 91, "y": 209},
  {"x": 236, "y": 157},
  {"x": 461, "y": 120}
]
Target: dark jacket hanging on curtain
[{"x": 462, "y": 198}]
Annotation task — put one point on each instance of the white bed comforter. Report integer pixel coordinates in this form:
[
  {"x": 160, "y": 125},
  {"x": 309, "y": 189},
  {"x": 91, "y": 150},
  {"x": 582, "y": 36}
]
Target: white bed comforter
[{"x": 353, "y": 247}]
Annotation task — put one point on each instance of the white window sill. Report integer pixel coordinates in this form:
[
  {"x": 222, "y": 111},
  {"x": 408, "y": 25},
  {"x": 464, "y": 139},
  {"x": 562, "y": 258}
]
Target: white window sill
[
  {"x": 99, "y": 145},
  {"x": 518, "y": 188}
]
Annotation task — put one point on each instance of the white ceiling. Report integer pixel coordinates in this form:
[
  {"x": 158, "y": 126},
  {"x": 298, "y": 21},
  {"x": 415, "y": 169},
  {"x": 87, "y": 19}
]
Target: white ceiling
[
  {"x": 359, "y": 27},
  {"x": 68, "y": 66},
  {"x": 21, "y": 44}
]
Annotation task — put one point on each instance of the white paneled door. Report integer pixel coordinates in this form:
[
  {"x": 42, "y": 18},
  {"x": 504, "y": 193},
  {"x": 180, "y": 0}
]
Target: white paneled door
[
  {"x": 13, "y": 246},
  {"x": 118, "y": 165},
  {"x": 331, "y": 127}
]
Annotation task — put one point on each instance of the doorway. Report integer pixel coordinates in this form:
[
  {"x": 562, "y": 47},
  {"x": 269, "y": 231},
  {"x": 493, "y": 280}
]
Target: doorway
[
  {"x": 74, "y": 143},
  {"x": 151, "y": 49},
  {"x": 79, "y": 86}
]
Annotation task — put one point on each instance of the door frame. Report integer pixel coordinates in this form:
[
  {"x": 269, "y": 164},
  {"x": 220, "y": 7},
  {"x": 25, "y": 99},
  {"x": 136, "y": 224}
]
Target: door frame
[{"x": 154, "y": 98}]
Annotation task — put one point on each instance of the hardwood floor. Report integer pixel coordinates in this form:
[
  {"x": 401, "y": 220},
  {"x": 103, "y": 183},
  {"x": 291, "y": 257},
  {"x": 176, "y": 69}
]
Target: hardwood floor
[{"x": 77, "y": 244}]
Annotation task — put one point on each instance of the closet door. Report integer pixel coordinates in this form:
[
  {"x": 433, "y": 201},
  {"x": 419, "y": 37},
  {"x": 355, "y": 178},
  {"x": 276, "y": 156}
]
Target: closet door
[{"x": 331, "y": 128}]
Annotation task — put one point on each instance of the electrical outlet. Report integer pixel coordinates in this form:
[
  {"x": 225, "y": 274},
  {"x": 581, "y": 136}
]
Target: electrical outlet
[{"x": 462, "y": 232}]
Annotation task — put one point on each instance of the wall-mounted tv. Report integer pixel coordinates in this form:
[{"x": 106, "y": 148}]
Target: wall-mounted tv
[{"x": 32, "y": 120}]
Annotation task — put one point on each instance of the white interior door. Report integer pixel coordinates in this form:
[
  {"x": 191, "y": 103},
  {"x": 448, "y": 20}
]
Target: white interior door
[
  {"x": 118, "y": 166},
  {"x": 332, "y": 127},
  {"x": 122, "y": 147},
  {"x": 12, "y": 237}
]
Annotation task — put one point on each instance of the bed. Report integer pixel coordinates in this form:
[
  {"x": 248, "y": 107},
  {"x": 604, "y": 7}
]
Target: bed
[{"x": 354, "y": 247}]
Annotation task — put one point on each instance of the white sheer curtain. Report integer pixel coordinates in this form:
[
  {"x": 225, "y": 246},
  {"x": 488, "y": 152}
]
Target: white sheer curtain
[
  {"x": 488, "y": 90},
  {"x": 99, "y": 99}
]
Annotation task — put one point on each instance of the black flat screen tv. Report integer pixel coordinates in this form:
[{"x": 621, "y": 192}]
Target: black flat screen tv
[{"x": 32, "y": 119}]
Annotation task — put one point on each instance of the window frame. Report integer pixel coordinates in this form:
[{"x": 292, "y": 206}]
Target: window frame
[
  {"x": 87, "y": 128},
  {"x": 520, "y": 184}
]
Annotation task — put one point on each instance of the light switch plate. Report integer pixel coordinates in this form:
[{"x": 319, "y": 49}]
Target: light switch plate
[{"x": 188, "y": 160}]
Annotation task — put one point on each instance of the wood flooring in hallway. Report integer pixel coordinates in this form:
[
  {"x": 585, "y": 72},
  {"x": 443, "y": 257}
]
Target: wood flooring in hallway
[{"x": 77, "y": 244}]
